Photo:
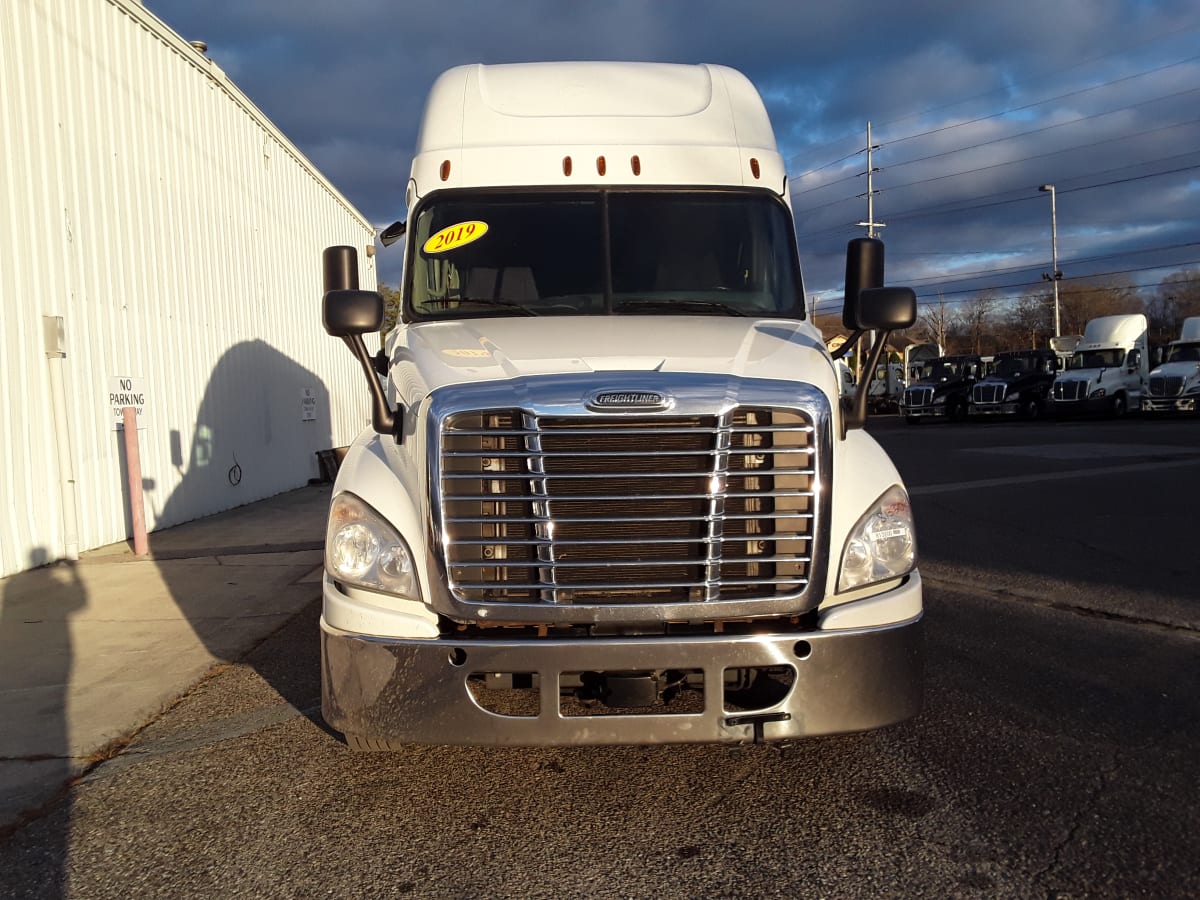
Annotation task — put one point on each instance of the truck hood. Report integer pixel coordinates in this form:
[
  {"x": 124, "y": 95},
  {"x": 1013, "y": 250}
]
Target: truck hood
[
  {"x": 1177, "y": 370},
  {"x": 428, "y": 355}
]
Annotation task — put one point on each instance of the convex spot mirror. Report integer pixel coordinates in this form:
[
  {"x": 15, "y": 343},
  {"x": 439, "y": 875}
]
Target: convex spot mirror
[
  {"x": 347, "y": 313},
  {"x": 392, "y": 233},
  {"x": 885, "y": 309}
]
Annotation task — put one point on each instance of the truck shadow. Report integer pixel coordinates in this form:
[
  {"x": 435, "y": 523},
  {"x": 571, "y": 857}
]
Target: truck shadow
[{"x": 237, "y": 578}]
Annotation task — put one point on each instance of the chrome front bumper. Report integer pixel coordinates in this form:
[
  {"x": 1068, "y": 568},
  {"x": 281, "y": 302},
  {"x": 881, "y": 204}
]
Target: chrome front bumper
[
  {"x": 1185, "y": 404},
  {"x": 416, "y": 691}
]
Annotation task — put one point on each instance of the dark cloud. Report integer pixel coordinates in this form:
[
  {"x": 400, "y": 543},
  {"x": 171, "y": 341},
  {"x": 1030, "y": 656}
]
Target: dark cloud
[{"x": 972, "y": 111}]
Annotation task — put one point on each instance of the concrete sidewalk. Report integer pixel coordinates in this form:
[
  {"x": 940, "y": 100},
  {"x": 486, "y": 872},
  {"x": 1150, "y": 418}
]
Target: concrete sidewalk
[{"x": 92, "y": 650}]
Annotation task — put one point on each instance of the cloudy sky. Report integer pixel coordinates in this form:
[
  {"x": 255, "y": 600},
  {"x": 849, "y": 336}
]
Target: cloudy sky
[{"x": 972, "y": 108}]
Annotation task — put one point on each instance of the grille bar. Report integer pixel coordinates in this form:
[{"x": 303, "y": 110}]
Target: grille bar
[{"x": 729, "y": 473}]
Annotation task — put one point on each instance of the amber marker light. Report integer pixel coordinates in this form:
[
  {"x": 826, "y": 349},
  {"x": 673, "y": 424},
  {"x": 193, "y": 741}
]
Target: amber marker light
[
  {"x": 567, "y": 165},
  {"x": 445, "y": 170},
  {"x": 754, "y": 169},
  {"x": 636, "y": 165}
]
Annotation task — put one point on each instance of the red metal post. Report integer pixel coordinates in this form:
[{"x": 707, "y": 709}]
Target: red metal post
[{"x": 133, "y": 465}]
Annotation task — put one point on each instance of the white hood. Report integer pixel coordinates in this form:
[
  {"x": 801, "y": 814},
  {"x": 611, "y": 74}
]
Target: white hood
[{"x": 428, "y": 355}]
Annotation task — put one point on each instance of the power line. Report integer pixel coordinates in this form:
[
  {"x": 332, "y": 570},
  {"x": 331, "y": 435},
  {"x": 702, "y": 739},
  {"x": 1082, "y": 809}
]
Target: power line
[{"x": 1041, "y": 78}]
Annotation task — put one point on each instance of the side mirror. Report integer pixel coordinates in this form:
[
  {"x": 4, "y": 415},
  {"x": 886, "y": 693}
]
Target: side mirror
[
  {"x": 886, "y": 308},
  {"x": 349, "y": 312}
]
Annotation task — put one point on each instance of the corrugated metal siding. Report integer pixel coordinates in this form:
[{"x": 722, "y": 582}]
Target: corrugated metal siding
[{"x": 179, "y": 236}]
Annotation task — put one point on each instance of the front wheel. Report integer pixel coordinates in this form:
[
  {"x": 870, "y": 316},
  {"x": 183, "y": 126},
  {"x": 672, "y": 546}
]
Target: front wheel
[
  {"x": 958, "y": 412},
  {"x": 1118, "y": 408},
  {"x": 1031, "y": 409}
]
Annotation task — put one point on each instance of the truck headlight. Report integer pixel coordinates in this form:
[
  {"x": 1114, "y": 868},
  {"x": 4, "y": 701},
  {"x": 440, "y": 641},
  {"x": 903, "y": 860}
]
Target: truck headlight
[
  {"x": 882, "y": 545},
  {"x": 1098, "y": 394},
  {"x": 362, "y": 549},
  {"x": 939, "y": 401}
]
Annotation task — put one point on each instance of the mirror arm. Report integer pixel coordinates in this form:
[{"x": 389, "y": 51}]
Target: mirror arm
[
  {"x": 856, "y": 416},
  {"x": 848, "y": 345},
  {"x": 383, "y": 418}
]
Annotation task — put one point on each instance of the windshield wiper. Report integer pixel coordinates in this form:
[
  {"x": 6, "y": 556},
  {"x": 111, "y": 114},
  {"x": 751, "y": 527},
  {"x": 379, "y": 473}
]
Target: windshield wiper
[
  {"x": 482, "y": 301},
  {"x": 650, "y": 303}
]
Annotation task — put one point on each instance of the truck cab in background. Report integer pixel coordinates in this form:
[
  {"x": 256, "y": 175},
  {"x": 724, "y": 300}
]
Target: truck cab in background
[
  {"x": 1107, "y": 371},
  {"x": 1174, "y": 386},
  {"x": 887, "y": 388},
  {"x": 1017, "y": 386},
  {"x": 612, "y": 493},
  {"x": 942, "y": 389}
]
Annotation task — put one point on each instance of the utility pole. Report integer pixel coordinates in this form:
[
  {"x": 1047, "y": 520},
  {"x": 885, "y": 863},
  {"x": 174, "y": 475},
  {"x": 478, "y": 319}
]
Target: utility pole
[{"x": 871, "y": 225}]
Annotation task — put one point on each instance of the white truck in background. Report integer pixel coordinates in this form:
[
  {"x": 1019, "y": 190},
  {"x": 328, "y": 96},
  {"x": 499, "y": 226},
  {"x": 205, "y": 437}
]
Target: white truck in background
[
  {"x": 1174, "y": 386},
  {"x": 887, "y": 388},
  {"x": 611, "y": 493},
  {"x": 1107, "y": 370}
]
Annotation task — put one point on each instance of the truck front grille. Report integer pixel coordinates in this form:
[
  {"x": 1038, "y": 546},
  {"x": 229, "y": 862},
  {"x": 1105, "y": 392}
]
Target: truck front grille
[
  {"x": 1166, "y": 385},
  {"x": 641, "y": 510},
  {"x": 1069, "y": 390},
  {"x": 918, "y": 396},
  {"x": 988, "y": 393}
]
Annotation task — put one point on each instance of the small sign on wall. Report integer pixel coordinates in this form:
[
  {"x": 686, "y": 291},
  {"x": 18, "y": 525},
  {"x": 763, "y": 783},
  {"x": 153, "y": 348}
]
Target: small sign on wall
[
  {"x": 308, "y": 405},
  {"x": 124, "y": 390}
]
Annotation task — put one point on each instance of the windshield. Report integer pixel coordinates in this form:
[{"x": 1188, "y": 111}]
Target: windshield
[
  {"x": 1015, "y": 365},
  {"x": 942, "y": 369},
  {"x": 1096, "y": 359},
  {"x": 1183, "y": 353},
  {"x": 529, "y": 253}
]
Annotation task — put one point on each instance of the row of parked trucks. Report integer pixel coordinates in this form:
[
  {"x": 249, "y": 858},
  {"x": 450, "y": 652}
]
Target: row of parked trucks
[{"x": 1105, "y": 371}]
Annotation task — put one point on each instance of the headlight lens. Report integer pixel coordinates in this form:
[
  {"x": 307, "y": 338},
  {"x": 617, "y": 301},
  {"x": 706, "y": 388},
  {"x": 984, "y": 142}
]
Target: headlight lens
[
  {"x": 939, "y": 401},
  {"x": 362, "y": 549},
  {"x": 1098, "y": 394},
  {"x": 882, "y": 545}
]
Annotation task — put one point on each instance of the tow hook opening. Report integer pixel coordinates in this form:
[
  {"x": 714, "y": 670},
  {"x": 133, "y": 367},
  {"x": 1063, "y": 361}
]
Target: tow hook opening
[{"x": 657, "y": 692}]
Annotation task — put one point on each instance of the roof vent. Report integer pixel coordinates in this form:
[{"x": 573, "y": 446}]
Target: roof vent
[{"x": 200, "y": 46}]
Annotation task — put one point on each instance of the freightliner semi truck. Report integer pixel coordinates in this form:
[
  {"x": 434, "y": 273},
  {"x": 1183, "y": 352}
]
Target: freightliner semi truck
[
  {"x": 1174, "y": 386},
  {"x": 1107, "y": 371},
  {"x": 610, "y": 493}
]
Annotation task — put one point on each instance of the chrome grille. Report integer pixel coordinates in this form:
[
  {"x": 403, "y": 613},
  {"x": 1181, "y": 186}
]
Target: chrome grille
[
  {"x": 918, "y": 396},
  {"x": 988, "y": 393},
  {"x": 1166, "y": 385},
  {"x": 627, "y": 510},
  {"x": 1069, "y": 390}
]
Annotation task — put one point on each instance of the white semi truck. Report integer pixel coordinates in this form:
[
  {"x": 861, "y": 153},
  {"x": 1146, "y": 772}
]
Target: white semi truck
[
  {"x": 1107, "y": 370},
  {"x": 609, "y": 494},
  {"x": 1174, "y": 386}
]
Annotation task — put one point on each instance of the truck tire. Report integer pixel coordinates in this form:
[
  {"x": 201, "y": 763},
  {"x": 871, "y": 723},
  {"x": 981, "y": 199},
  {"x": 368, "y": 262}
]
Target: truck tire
[
  {"x": 1031, "y": 409},
  {"x": 958, "y": 412},
  {"x": 1118, "y": 408}
]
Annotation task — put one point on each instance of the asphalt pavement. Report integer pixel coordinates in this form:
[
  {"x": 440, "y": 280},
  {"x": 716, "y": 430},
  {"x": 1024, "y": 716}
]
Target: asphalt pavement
[{"x": 93, "y": 650}]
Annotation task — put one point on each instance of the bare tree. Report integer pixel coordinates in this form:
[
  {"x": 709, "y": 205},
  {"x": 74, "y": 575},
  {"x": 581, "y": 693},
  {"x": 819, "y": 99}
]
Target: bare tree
[
  {"x": 933, "y": 324},
  {"x": 1177, "y": 298},
  {"x": 1031, "y": 319},
  {"x": 974, "y": 318}
]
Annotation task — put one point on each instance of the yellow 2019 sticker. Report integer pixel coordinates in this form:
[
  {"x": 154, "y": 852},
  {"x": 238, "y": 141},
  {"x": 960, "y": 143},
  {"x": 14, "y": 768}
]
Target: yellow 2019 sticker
[{"x": 455, "y": 236}]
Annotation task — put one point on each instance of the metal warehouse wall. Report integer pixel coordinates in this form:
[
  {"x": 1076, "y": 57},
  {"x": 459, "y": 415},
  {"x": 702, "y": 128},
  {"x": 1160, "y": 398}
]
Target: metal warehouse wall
[{"x": 178, "y": 235}]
